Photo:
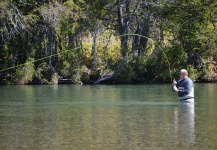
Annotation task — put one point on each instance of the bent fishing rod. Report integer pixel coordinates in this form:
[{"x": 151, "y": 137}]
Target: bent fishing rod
[
  {"x": 157, "y": 45},
  {"x": 80, "y": 47}
]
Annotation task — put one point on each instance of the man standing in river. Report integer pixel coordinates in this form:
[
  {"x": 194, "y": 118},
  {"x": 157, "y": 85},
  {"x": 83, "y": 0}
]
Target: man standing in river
[{"x": 184, "y": 87}]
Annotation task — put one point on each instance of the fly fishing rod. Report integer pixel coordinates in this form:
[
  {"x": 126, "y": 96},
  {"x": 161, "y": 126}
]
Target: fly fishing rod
[{"x": 79, "y": 47}]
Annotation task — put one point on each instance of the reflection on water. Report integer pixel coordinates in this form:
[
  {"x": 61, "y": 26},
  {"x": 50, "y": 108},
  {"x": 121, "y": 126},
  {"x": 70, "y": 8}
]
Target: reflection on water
[
  {"x": 184, "y": 125},
  {"x": 102, "y": 117}
]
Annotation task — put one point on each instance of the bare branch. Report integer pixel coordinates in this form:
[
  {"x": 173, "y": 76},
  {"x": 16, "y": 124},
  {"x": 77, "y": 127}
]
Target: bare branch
[
  {"x": 52, "y": 13},
  {"x": 12, "y": 21}
]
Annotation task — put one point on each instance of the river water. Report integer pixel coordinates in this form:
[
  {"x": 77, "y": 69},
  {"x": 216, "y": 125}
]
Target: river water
[{"x": 101, "y": 117}]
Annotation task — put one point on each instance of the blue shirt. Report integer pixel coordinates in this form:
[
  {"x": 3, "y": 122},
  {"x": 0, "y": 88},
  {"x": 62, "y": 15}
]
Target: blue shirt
[{"x": 186, "y": 88}]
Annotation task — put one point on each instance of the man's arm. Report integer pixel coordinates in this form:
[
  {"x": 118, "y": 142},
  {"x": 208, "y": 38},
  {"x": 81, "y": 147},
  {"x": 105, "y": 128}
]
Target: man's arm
[{"x": 174, "y": 87}]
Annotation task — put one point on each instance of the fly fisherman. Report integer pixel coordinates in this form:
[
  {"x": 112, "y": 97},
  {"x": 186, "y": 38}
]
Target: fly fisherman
[{"x": 184, "y": 87}]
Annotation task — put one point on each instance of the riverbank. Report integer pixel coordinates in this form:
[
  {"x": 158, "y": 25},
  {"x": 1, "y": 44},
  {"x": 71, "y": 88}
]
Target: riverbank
[{"x": 125, "y": 75}]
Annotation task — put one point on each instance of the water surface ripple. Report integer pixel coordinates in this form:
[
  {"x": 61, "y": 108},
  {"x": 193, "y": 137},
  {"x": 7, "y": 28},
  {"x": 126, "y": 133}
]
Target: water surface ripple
[{"x": 106, "y": 117}]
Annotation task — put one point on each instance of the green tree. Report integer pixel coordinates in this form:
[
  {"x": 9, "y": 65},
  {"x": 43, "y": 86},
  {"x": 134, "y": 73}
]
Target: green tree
[{"x": 193, "y": 27}]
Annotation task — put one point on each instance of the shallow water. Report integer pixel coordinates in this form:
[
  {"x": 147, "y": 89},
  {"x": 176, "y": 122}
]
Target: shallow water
[{"x": 106, "y": 117}]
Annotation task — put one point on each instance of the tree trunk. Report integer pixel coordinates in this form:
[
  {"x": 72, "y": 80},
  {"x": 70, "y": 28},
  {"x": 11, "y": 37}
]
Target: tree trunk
[
  {"x": 135, "y": 42},
  {"x": 145, "y": 28},
  {"x": 94, "y": 50},
  {"x": 95, "y": 36},
  {"x": 143, "y": 41},
  {"x": 124, "y": 21},
  {"x": 51, "y": 46}
]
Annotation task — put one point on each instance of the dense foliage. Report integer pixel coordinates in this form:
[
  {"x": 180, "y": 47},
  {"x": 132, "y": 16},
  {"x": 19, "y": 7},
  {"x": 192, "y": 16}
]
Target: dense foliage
[{"x": 51, "y": 41}]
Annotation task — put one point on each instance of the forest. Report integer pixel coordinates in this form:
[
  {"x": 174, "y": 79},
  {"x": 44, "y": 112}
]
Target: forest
[{"x": 107, "y": 41}]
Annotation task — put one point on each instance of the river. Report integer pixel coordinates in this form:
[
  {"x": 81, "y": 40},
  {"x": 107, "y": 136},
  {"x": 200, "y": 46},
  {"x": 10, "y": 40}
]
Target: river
[{"x": 101, "y": 117}]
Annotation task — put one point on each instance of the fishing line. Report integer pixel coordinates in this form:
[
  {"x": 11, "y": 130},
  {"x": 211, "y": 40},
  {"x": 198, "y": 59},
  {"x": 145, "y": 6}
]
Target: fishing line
[
  {"x": 37, "y": 60},
  {"x": 158, "y": 46},
  {"x": 80, "y": 47}
]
